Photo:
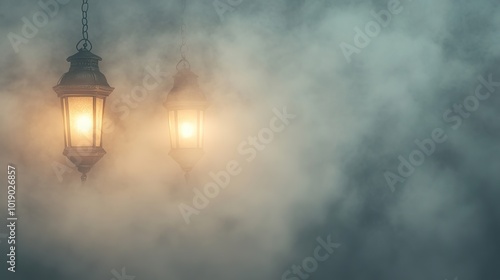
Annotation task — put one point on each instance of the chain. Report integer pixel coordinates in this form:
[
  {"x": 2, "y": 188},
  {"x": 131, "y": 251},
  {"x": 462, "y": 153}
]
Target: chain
[
  {"x": 85, "y": 26},
  {"x": 87, "y": 45},
  {"x": 183, "y": 48}
]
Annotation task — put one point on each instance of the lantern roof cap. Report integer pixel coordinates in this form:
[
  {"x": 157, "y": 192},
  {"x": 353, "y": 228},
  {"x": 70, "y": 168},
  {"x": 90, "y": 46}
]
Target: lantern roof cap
[
  {"x": 185, "y": 79},
  {"x": 84, "y": 54},
  {"x": 185, "y": 91},
  {"x": 185, "y": 73},
  {"x": 84, "y": 71}
]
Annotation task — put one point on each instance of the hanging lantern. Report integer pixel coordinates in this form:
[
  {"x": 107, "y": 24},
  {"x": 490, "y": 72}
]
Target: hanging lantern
[
  {"x": 83, "y": 91},
  {"x": 186, "y": 105}
]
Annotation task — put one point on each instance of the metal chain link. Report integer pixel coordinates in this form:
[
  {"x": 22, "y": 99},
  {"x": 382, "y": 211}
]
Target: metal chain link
[
  {"x": 183, "y": 42},
  {"x": 87, "y": 45},
  {"x": 184, "y": 47}
]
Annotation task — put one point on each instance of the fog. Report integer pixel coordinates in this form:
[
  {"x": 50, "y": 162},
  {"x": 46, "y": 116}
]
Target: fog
[{"x": 331, "y": 173}]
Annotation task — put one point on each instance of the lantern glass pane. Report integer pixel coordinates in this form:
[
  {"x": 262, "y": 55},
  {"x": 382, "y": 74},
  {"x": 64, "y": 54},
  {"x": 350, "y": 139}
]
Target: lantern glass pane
[
  {"x": 188, "y": 128},
  {"x": 200, "y": 129},
  {"x": 65, "y": 121},
  {"x": 99, "y": 107},
  {"x": 81, "y": 120},
  {"x": 173, "y": 128}
]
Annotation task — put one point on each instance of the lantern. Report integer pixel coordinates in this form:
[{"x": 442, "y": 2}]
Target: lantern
[
  {"x": 83, "y": 91},
  {"x": 186, "y": 105}
]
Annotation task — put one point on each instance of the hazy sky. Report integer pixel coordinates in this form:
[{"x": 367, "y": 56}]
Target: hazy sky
[{"x": 375, "y": 86}]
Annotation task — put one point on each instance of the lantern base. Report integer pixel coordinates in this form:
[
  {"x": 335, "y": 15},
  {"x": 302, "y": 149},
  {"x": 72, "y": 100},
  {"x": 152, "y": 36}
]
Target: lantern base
[
  {"x": 186, "y": 158},
  {"x": 84, "y": 157}
]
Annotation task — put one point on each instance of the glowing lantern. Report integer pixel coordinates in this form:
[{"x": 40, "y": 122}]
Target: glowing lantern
[
  {"x": 186, "y": 104},
  {"x": 83, "y": 91}
]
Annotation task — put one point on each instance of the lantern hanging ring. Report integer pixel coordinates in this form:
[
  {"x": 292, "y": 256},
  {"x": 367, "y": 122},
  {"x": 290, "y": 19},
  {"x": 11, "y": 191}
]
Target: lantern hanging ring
[{"x": 184, "y": 63}]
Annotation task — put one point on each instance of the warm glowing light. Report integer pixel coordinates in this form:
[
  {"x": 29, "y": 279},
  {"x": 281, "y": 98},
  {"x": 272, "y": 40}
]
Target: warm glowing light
[
  {"x": 187, "y": 130},
  {"x": 84, "y": 124}
]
